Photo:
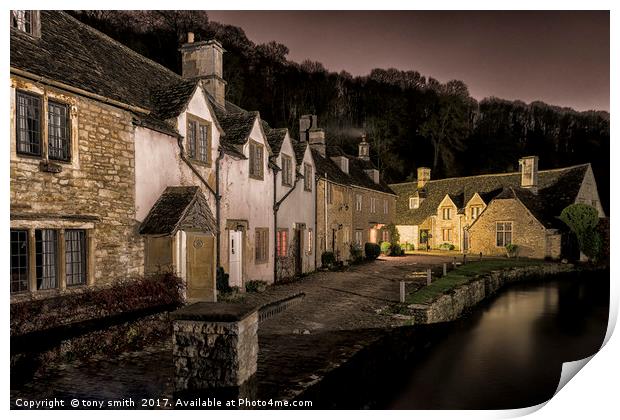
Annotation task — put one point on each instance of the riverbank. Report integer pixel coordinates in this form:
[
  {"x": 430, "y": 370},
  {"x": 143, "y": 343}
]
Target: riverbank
[{"x": 450, "y": 296}]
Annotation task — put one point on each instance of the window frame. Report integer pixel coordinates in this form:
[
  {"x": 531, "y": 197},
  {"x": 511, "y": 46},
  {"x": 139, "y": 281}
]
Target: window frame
[
  {"x": 373, "y": 205},
  {"x": 448, "y": 237},
  {"x": 68, "y": 139},
  {"x": 361, "y": 237},
  {"x": 287, "y": 170},
  {"x": 39, "y": 251},
  {"x": 261, "y": 245},
  {"x": 40, "y": 109},
  {"x": 194, "y": 142},
  {"x": 477, "y": 210},
  {"x": 253, "y": 149},
  {"x": 310, "y": 247},
  {"x": 414, "y": 203},
  {"x": 83, "y": 253},
  {"x": 446, "y": 211},
  {"x": 386, "y": 206},
  {"x": 27, "y": 267},
  {"x": 359, "y": 202},
  {"x": 34, "y": 23},
  {"x": 330, "y": 193},
  {"x": 503, "y": 233},
  {"x": 308, "y": 177},
  {"x": 282, "y": 236}
]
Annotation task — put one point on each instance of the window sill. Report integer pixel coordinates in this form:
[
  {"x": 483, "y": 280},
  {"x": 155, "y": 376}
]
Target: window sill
[
  {"x": 257, "y": 178},
  {"x": 194, "y": 161}
]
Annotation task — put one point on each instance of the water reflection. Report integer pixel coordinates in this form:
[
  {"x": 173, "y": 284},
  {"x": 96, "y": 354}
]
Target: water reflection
[{"x": 509, "y": 354}]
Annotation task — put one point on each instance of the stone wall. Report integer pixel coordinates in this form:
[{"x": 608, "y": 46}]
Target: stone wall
[
  {"x": 214, "y": 346},
  {"x": 339, "y": 218},
  {"x": 365, "y": 220},
  {"x": 527, "y": 233},
  {"x": 94, "y": 191},
  {"x": 452, "y": 305}
]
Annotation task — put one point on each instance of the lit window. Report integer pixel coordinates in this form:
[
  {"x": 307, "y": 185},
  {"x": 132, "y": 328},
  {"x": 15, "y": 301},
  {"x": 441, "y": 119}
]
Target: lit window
[
  {"x": 475, "y": 212},
  {"x": 282, "y": 242},
  {"x": 503, "y": 233},
  {"x": 359, "y": 237},
  {"x": 310, "y": 241}
]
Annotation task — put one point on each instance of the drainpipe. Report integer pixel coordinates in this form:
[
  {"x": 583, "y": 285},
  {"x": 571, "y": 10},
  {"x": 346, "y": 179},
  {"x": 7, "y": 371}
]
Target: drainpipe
[
  {"x": 276, "y": 207},
  {"x": 215, "y": 192}
]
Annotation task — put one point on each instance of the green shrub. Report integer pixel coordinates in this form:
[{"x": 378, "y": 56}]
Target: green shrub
[
  {"x": 407, "y": 246},
  {"x": 356, "y": 253},
  {"x": 394, "y": 235},
  {"x": 446, "y": 247},
  {"x": 511, "y": 250},
  {"x": 582, "y": 220},
  {"x": 385, "y": 247},
  {"x": 372, "y": 251},
  {"x": 221, "y": 281},
  {"x": 328, "y": 259},
  {"x": 395, "y": 251},
  {"x": 253, "y": 286}
]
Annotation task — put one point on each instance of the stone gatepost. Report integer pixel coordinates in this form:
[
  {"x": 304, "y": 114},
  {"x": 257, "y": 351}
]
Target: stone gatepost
[{"x": 215, "y": 345}]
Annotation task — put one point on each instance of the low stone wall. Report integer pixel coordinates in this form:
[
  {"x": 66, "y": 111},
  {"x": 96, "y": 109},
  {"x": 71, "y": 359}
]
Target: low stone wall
[
  {"x": 452, "y": 305},
  {"x": 214, "y": 345}
]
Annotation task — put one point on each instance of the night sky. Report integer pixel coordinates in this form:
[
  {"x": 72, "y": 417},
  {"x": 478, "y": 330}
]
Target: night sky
[{"x": 559, "y": 57}]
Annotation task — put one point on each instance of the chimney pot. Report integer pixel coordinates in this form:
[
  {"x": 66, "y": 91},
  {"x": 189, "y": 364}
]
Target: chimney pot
[
  {"x": 424, "y": 175},
  {"x": 190, "y": 37}
]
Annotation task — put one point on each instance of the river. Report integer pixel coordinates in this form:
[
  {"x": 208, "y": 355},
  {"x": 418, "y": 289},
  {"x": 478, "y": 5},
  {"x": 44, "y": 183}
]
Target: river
[{"x": 507, "y": 353}]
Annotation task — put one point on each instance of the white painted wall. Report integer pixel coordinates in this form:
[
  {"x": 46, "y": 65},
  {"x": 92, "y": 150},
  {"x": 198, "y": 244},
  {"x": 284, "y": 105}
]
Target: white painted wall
[
  {"x": 159, "y": 165},
  {"x": 299, "y": 206},
  {"x": 244, "y": 198}
]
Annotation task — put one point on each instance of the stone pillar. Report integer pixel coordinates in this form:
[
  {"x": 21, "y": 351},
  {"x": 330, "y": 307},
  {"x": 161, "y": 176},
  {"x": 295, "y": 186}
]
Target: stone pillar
[{"x": 215, "y": 345}]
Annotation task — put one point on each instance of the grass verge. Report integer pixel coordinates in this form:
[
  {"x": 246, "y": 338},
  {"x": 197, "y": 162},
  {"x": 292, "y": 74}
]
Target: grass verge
[{"x": 462, "y": 275}]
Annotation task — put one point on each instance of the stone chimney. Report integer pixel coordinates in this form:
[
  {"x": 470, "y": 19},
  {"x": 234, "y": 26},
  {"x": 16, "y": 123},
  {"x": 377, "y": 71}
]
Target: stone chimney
[
  {"x": 373, "y": 174},
  {"x": 529, "y": 173},
  {"x": 205, "y": 60},
  {"x": 424, "y": 175},
  {"x": 306, "y": 122},
  {"x": 364, "y": 149},
  {"x": 316, "y": 139}
]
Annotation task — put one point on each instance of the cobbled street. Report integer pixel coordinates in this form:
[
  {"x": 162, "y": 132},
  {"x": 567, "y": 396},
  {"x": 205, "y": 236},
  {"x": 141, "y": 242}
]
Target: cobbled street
[{"x": 340, "y": 314}]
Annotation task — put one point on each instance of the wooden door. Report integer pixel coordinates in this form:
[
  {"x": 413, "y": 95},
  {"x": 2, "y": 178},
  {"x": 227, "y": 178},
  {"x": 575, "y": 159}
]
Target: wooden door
[
  {"x": 200, "y": 267},
  {"x": 299, "y": 249}
]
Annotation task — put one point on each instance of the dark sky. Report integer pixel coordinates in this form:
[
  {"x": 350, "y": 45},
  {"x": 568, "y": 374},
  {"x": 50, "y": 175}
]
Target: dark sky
[{"x": 559, "y": 57}]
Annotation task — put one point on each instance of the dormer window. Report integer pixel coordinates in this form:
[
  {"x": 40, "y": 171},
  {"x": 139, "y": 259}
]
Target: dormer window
[
  {"x": 414, "y": 202},
  {"x": 256, "y": 160},
  {"x": 287, "y": 170},
  {"x": 25, "y": 21},
  {"x": 199, "y": 139}
]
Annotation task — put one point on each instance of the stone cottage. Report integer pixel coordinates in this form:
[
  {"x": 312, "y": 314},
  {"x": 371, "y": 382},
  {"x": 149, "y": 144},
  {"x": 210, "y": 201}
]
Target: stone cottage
[
  {"x": 294, "y": 204},
  {"x": 484, "y": 213},
  {"x": 120, "y": 166},
  {"x": 354, "y": 205}
]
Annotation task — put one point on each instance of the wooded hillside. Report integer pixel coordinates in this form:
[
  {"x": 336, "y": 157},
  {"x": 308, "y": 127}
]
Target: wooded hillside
[{"x": 412, "y": 120}]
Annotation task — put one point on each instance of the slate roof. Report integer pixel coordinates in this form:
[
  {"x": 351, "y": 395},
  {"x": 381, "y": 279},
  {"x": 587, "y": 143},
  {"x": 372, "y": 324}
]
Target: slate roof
[
  {"x": 76, "y": 54},
  {"x": 177, "y": 208},
  {"x": 557, "y": 188},
  {"x": 300, "y": 149},
  {"x": 275, "y": 137}
]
